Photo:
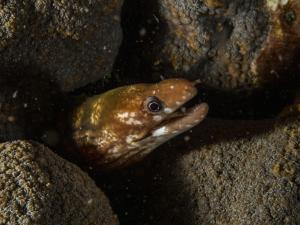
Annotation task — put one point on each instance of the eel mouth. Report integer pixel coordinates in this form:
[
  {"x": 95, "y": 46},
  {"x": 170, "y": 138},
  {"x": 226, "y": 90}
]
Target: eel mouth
[{"x": 181, "y": 120}]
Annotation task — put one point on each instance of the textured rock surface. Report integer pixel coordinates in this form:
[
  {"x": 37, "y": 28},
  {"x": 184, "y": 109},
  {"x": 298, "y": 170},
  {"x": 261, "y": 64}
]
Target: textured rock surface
[
  {"x": 69, "y": 42},
  {"x": 228, "y": 172},
  {"x": 37, "y": 187},
  {"x": 228, "y": 44}
]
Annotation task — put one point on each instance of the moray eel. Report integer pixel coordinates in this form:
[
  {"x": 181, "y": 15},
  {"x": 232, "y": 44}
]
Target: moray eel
[{"x": 123, "y": 125}]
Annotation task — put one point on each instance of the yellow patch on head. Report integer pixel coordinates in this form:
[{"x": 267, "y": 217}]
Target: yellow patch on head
[
  {"x": 78, "y": 117},
  {"x": 96, "y": 112}
]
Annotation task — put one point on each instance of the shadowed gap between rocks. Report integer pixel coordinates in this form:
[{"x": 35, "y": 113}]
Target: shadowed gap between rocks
[{"x": 30, "y": 104}]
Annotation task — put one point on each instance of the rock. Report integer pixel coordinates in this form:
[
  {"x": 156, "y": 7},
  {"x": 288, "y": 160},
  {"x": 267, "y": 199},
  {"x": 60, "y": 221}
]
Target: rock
[
  {"x": 252, "y": 180},
  {"x": 229, "y": 45},
  {"x": 225, "y": 172},
  {"x": 69, "y": 42},
  {"x": 37, "y": 187},
  {"x": 245, "y": 53}
]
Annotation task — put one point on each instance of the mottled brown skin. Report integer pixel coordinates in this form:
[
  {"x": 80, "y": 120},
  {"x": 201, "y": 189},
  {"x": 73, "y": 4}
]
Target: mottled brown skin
[{"x": 117, "y": 128}]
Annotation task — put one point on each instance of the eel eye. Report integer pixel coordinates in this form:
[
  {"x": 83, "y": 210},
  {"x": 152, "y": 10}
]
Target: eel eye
[{"x": 154, "y": 105}]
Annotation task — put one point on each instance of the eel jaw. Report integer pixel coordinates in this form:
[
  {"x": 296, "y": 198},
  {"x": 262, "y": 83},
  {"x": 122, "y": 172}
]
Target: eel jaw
[
  {"x": 182, "y": 123},
  {"x": 166, "y": 131}
]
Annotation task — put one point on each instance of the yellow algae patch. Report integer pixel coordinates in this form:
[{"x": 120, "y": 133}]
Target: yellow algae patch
[
  {"x": 286, "y": 169},
  {"x": 214, "y": 3},
  {"x": 274, "y": 4}
]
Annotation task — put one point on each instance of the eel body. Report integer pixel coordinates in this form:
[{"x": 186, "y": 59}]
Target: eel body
[{"x": 123, "y": 125}]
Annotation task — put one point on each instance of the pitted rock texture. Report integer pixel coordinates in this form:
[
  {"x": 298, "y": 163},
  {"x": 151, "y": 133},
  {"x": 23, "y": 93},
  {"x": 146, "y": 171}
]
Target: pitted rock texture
[
  {"x": 227, "y": 44},
  {"x": 253, "y": 180},
  {"x": 228, "y": 172},
  {"x": 38, "y": 187},
  {"x": 70, "y": 42}
]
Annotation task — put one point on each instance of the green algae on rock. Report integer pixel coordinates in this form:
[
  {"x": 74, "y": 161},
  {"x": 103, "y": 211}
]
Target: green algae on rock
[{"x": 38, "y": 187}]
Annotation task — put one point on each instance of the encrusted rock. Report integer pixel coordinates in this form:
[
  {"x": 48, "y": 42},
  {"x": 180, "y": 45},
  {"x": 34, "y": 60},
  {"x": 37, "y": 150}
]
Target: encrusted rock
[
  {"x": 37, "y": 187},
  {"x": 228, "y": 44},
  {"x": 70, "y": 42},
  {"x": 250, "y": 180}
]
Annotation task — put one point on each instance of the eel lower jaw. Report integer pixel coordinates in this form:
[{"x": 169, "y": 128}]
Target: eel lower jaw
[{"x": 178, "y": 123}]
